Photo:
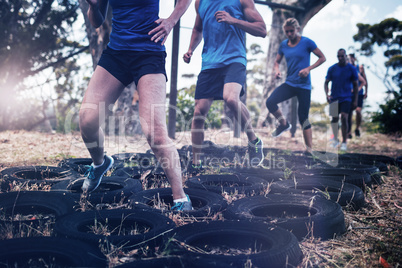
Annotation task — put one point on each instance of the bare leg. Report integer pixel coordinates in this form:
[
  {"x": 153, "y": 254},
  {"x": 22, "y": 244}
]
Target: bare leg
[
  {"x": 344, "y": 127},
  {"x": 152, "y": 95},
  {"x": 308, "y": 139},
  {"x": 197, "y": 127},
  {"x": 231, "y": 95},
  {"x": 279, "y": 116},
  {"x": 103, "y": 90},
  {"x": 358, "y": 117}
]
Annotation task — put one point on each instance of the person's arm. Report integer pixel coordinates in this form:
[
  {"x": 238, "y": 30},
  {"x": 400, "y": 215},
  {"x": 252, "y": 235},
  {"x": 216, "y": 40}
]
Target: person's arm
[
  {"x": 278, "y": 60},
  {"x": 321, "y": 59},
  {"x": 196, "y": 35},
  {"x": 355, "y": 93},
  {"x": 254, "y": 23},
  {"x": 97, "y": 11},
  {"x": 363, "y": 73},
  {"x": 327, "y": 90},
  {"x": 362, "y": 82},
  {"x": 166, "y": 25}
]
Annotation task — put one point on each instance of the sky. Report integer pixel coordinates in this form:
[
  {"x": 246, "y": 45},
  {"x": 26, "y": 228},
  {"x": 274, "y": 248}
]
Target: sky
[{"x": 332, "y": 28}]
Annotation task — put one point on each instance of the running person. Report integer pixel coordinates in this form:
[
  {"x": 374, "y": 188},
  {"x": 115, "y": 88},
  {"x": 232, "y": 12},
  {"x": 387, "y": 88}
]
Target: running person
[
  {"x": 343, "y": 76},
  {"x": 360, "y": 98},
  {"x": 296, "y": 50},
  {"x": 223, "y": 25},
  {"x": 135, "y": 53}
]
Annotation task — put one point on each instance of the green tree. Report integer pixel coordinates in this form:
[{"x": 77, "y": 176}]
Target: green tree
[
  {"x": 387, "y": 35},
  {"x": 34, "y": 35}
]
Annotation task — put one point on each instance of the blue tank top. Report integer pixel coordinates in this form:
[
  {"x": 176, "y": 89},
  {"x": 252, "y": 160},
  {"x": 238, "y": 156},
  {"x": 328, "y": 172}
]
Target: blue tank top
[
  {"x": 297, "y": 58},
  {"x": 131, "y": 22},
  {"x": 223, "y": 43}
]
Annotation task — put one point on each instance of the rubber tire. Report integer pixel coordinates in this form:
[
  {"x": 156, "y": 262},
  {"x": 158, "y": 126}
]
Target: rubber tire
[
  {"x": 356, "y": 177},
  {"x": 373, "y": 158},
  {"x": 326, "y": 217},
  {"x": 280, "y": 246},
  {"x": 243, "y": 184},
  {"x": 144, "y": 160},
  {"x": 344, "y": 194},
  {"x": 35, "y": 202},
  {"x": 37, "y": 174},
  {"x": 75, "y": 225},
  {"x": 269, "y": 175},
  {"x": 72, "y": 253},
  {"x": 372, "y": 171},
  {"x": 182, "y": 261},
  {"x": 204, "y": 203},
  {"x": 110, "y": 190},
  {"x": 128, "y": 172}
]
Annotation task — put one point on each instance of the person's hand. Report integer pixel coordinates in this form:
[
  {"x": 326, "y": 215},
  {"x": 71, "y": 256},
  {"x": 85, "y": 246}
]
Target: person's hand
[
  {"x": 304, "y": 72},
  {"x": 161, "y": 32},
  {"x": 92, "y": 3},
  {"x": 328, "y": 98},
  {"x": 354, "y": 105},
  {"x": 278, "y": 75},
  {"x": 223, "y": 16},
  {"x": 365, "y": 96},
  {"x": 187, "y": 56}
]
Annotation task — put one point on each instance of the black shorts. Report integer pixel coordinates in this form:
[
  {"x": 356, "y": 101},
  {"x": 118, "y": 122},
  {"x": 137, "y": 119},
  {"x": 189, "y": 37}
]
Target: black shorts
[
  {"x": 129, "y": 66},
  {"x": 335, "y": 108},
  {"x": 211, "y": 81},
  {"x": 360, "y": 101}
]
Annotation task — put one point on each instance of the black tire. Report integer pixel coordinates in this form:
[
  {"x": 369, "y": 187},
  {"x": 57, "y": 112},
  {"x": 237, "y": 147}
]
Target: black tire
[
  {"x": 182, "y": 261},
  {"x": 128, "y": 172},
  {"x": 54, "y": 251},
  {"x": 229, "y": 183},
  {"x": 204, "y": 203},
  {"x": 44, "y": 207},
  {"x": 142, "y": 160},
  {"x": 268, "y": 246},
  {"x": 373, "y": 158},
  {"x": 356, "y": 177},
  {"x": 344, "y": 194},
  {"x": 151, "y": 226},
  {"x": 37, "y": 174},
  {"x": 399, "y": 161},
  {"x": 110, "y": 190},
  {"x": 302, "y": 215},
  {"x": 372, "y": 171},
  {"x": 269, "y": 175}
]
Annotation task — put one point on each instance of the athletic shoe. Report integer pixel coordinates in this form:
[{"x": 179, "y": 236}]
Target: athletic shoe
[
  {"x": 182, "y": 206},
  {"x": 280, "y": 129},
  {"x": 350, "y": 136},
  {"x": 343, "y": 147},
  {"x": 94, "y": 175},
  {"x": 334, "y": 143},
  {"x": 255, "y": 152},
  {"x": 357, "y": 133}
]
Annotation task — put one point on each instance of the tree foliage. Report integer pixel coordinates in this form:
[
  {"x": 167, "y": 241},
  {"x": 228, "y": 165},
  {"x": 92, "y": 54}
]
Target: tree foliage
[
  {"x": 34, "y": 35},
  {"x": 388, "y": 35}
]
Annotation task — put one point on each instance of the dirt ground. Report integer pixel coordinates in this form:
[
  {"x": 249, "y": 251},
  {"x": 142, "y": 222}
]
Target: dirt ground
[{"x": 374, "y": 235}]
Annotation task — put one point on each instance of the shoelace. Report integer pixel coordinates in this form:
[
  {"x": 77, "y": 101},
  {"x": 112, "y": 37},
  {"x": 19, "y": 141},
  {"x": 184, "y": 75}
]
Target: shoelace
[
  {"x": 90, "y": 172},
  {"x": 179, "y": 206}
]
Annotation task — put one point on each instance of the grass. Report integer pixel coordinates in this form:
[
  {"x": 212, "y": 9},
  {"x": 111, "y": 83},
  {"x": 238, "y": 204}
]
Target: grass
[{"x": 374, "y": 233}]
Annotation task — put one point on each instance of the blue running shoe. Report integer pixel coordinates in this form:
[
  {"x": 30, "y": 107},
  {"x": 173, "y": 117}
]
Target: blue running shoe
[
  {"x": 280, "y": 129},
  {"x": 94, "y": 175},
  {"x": 183, "y": 206}
]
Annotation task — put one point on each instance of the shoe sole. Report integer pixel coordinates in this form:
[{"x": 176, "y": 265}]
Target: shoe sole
[
  {"x": 106, "y": 170},
  {"x": 290, "y": 126}
]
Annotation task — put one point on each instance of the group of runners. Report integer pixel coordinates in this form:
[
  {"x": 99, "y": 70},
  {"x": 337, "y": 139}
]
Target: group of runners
[{"x": 136, "y": 53}]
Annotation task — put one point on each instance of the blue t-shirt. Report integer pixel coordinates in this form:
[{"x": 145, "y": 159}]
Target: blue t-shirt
[
  {"x": 341, "y": 78},
  {"x": 297, "y": 58},
  {"x": 131, "y": 22},
  {"x": 223, "y": 43}
]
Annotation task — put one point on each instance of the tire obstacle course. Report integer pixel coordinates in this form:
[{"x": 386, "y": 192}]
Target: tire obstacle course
[{"x": 273, "y": 212}]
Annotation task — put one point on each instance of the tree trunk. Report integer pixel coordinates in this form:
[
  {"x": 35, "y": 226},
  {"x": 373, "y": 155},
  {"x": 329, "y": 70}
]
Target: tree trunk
[{"x": 276, "y": 35}]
